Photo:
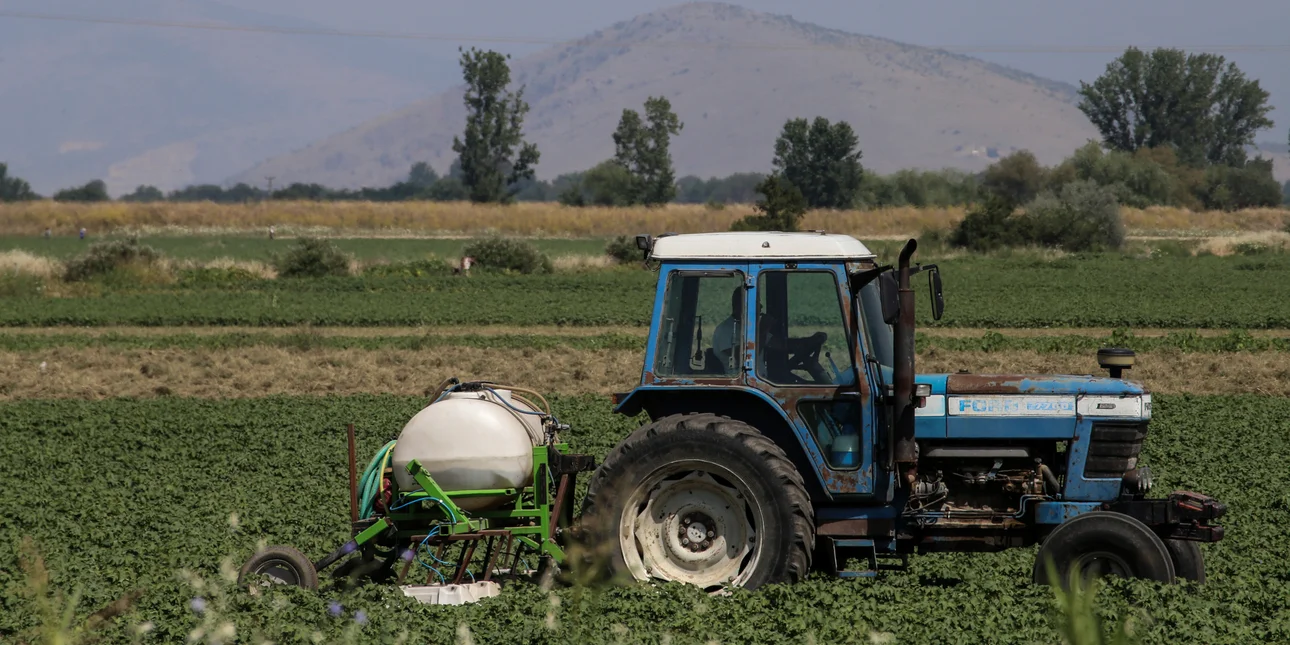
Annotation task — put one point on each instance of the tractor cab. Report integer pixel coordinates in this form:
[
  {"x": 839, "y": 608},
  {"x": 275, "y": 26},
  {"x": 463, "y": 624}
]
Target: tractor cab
[{"x": 788, "y": 425}]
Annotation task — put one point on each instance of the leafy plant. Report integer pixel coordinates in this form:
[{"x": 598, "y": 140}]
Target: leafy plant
[
  {"x": 312, "y": 258},
  {"x": 509, "y": 254},
  {"x": 623, "y": 249},
  {"x": 102, "y": 258}
]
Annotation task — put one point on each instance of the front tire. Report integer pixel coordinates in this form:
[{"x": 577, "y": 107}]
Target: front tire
[
  {"x": 1188, "y": 562},
  {"x": 701, "y": 499},
  {"x": 1102, "y": 543},
  {"x": 280, "y": 565}
]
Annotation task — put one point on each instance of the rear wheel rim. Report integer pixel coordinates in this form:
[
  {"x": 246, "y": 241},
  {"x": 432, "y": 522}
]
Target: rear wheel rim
[
  {"x": 1099, "y": 564},
  {"x": 278, "y": 571},
  {"x": 694, "y": 522}
]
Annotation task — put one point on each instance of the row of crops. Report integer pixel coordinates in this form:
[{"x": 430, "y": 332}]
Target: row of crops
[
  {"x": 1094, "y": 291},
  {"x": 123, "y": 494},
  {"x": 308, "y": 339}
]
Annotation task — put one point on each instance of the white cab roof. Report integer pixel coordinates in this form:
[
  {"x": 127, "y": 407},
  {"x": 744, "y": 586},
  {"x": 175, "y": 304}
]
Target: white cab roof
[{"x": 756, "y": 245}]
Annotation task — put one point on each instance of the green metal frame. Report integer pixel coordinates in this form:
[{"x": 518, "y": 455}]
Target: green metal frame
[{"x": 534, "y": 502}]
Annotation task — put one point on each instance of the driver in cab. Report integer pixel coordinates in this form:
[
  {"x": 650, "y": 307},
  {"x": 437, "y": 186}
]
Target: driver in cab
[{"x": 774, "y": 348}]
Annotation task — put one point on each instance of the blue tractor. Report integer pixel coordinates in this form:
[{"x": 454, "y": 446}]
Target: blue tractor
[{"x": 790, "y": 432}]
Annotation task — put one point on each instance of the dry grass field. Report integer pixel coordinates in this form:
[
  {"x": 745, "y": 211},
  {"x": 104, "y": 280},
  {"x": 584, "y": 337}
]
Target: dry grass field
[{"x": 541, "y": 219}]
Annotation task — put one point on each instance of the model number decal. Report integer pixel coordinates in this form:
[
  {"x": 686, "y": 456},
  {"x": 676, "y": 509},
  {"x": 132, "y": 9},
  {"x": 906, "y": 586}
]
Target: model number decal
[{"x": 1040, "y": 406}]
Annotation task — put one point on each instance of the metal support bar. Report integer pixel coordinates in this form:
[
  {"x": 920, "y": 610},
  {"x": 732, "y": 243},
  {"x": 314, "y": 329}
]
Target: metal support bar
[{"x": 353, "y": 475}]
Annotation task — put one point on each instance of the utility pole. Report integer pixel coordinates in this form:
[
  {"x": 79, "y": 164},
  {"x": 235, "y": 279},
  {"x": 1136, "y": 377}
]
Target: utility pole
[{"x": 270, "y": 178}]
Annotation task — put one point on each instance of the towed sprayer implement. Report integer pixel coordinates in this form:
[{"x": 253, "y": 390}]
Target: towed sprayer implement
[{"x": 454, "y": 494}]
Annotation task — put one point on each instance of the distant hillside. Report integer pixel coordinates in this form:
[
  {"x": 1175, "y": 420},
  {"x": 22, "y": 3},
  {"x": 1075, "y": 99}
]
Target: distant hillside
[
  {"x": 168, "y": 106},
  {"x": 734, "y": 76}
]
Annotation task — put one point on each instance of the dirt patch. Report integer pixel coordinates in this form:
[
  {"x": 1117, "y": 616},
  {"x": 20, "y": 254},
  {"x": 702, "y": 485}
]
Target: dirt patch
[{"x": 252, "y": 372}]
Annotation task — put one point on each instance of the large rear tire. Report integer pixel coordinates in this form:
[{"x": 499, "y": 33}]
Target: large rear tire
[
  {"x": 1104, "y": 543},
  {"x": 701, "y": 499}
]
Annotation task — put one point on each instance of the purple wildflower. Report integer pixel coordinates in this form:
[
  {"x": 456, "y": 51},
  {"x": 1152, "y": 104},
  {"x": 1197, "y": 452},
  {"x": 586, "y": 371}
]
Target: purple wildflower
[
  {"x": 198, "y": 604},
  {"x": 334, "y": 608},
  {"x": 360, "y": 617}
]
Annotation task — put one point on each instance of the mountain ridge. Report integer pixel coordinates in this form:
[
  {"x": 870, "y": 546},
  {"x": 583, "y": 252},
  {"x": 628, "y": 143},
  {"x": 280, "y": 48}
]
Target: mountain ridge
[{"x": 892, "y": 93}]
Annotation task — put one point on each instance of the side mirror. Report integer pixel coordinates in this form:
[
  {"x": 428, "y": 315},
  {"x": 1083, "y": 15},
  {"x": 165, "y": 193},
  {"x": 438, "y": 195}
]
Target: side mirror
[
  {"x": 889, "y": 291},
  {"x": 938, "y": 298}
]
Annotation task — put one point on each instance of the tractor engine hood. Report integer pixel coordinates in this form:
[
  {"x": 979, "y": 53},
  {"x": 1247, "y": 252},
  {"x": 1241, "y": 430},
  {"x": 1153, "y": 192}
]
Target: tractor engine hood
[
  {"x": 1032, "y": 384},
  {"x": 960, "y": 403}
]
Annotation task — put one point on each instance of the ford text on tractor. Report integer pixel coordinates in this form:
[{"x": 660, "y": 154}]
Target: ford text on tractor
[{"x": 788, "y": 432}]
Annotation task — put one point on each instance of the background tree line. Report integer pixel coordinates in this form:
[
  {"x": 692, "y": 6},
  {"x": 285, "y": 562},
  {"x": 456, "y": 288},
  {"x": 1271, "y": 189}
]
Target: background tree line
[{"x": 1175, "y": 132}]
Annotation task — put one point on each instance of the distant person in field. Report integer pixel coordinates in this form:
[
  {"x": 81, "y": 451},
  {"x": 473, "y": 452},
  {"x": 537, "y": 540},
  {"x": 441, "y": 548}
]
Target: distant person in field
[
  {"x": 82, "y": 232},
  {"x": 271, "y": 232},
  {"x": 48, "y": 233},
  {"x": 464, "y": 267}
]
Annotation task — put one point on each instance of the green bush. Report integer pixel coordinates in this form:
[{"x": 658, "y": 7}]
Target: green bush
[
  {"x": 312, "y": 258},
  {"x": 781, "y": 209},
  {"x": 106, "y": 257},
  {"x": 990, "y": 225},
  {"x": 508, "y": 254},
  {"x": 1250, "y": 186},
  {"x": 1017, "y": 177},
  {"x": 623, "y": 249},
  {"x": 1081, "y": 217}
]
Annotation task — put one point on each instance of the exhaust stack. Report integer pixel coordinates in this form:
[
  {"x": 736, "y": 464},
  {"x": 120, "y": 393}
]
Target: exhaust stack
[{"x": 903, "y": 371}]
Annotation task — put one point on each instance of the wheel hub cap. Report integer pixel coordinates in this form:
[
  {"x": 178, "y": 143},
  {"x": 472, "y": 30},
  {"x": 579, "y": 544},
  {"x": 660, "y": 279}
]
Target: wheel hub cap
[{"x": 690, "y": 527}]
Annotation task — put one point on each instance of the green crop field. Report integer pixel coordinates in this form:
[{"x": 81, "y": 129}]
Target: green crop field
[
  {"x": 1093, "y": 291},
  {"x": 124, "y": 494},
  {"x": 204, "y": 248}
]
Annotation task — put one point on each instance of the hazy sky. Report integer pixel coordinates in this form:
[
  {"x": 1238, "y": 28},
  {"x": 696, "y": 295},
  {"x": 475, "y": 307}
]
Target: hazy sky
[
  {"x": 1234, "y": 25},
  {"x": 1192, "y": 24}
]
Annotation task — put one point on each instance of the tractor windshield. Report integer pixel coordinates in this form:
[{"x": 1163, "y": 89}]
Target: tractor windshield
[{"x": 878, "y": 334}]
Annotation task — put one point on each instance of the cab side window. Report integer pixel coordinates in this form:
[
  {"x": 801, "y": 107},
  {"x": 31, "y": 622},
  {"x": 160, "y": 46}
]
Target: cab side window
[
  {"x": 701, "y": 332},
  {"x": 801, "y": 334}
]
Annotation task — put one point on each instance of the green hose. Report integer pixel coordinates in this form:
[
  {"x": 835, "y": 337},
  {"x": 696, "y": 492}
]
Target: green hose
[{"x": 369, "y": 485}]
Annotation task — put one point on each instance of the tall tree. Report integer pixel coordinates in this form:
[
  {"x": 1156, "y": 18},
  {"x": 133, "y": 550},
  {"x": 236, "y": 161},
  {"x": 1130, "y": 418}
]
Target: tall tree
[
  {"x": 1198, "y": 104},
  {"x": 822, "y": 160},
  {"x": 14, "y": 189},
  {"x": 642, "y": 148},
  {"x": 490, "y": 165}
]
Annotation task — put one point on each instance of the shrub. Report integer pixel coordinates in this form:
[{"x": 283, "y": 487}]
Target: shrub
[
  {"x": 1017, "y": 177},
  {"x": 106, "y": 257},
  {"x": 781, "y": 209},
  {"x": 1081, "y": 217},
  {"x": 623, "y": 249},
  {"x": 508, "y": 254},
  {"x": 94, "y": 191},
  {"x": 990, "y": 225},
  {"x": 312, "y": 258},
  {"x": 1251, "y": 186}
]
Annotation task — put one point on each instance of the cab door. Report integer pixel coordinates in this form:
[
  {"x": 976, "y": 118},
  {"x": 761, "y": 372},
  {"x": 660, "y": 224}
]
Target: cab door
[{"x": 805, "y": 356}]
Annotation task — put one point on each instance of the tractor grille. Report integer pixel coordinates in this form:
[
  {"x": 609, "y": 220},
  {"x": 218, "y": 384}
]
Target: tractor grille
[{"x": 1113, "y": 450}]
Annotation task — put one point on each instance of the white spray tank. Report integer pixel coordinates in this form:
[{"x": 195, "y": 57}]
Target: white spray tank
[{"x": 471, "y": 441}]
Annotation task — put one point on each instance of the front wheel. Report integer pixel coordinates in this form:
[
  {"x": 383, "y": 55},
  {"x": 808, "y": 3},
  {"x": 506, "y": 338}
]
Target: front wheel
[
  {"x": 280, "y": 565},
  {"x": 701, "y": 499},
  {"x": 1103, "y": 543},
  {"x": 1188, "y": 562}
]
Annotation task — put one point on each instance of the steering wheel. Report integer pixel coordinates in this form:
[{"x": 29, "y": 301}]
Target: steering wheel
[{"x": 809, "y": 355}]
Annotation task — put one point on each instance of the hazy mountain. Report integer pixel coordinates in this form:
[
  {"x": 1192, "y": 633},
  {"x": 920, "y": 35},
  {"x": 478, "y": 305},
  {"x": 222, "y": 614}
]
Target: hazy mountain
[
  {"x": 734, "y": 76},
  {"x": 169, "y": 106}
]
